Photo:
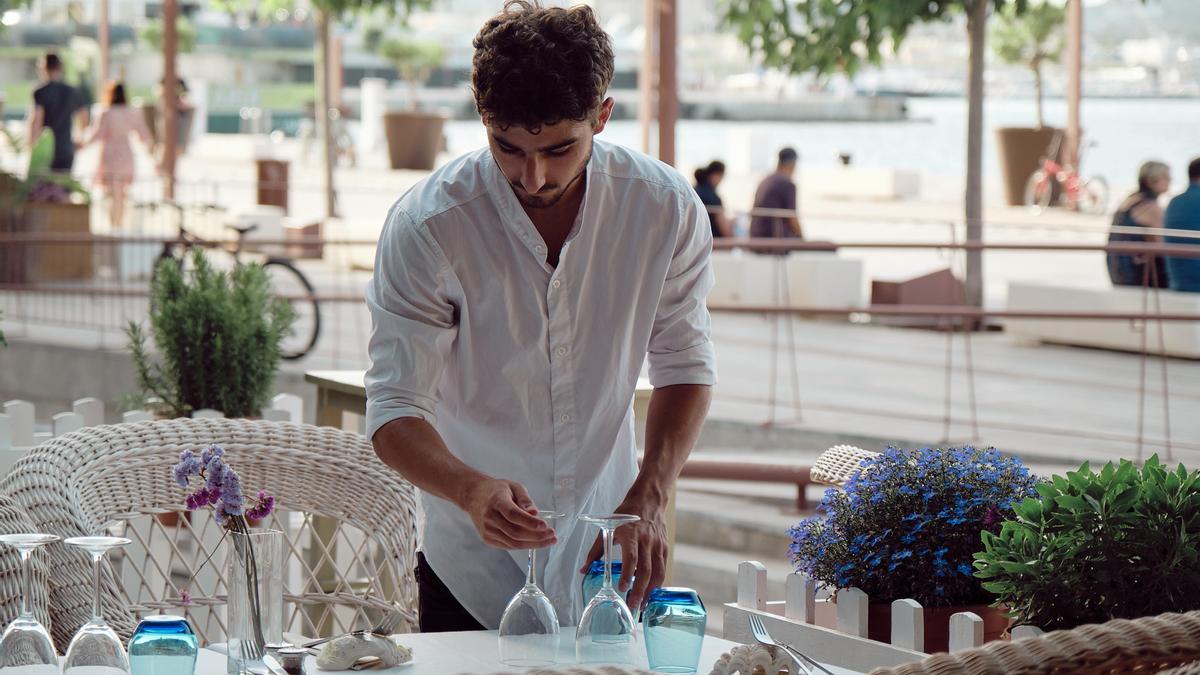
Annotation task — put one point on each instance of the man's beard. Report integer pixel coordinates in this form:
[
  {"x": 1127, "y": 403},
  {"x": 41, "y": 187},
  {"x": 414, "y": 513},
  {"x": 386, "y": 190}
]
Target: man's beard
[{"x": 540, "y": 201}]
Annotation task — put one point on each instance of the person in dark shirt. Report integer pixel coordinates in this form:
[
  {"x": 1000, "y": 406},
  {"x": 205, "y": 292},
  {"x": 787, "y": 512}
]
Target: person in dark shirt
[
  {"x": 55, "y": 103},
  {"x": 707, "y": 180},
  {"x": 778, "y": 192}
]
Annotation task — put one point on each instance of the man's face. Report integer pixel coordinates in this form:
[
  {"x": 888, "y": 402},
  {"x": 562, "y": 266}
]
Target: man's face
[{"x": 542, "y": 167}]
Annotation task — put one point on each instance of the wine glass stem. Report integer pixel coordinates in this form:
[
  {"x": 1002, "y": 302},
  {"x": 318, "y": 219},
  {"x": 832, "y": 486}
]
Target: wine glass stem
[
  {"x": 608, "y": 534},
  {"x": 97, "y": 617},
  {"x": 531, "y": 571},
  {"x": 26, "y": 581}
]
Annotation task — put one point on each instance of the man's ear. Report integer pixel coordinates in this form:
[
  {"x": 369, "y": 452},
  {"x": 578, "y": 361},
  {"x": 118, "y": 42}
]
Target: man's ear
[{"x": 606, "y": 109}]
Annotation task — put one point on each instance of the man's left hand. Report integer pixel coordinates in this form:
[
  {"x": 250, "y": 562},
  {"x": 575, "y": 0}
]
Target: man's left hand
[{"x": 643, "y": 549}]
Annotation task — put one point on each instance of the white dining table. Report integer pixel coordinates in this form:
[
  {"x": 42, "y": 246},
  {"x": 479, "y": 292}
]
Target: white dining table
[{"x": 477, "y": 652}]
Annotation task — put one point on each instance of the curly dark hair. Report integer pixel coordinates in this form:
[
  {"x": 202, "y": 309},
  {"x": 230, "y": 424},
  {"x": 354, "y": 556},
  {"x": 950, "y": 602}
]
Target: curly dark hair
[{"x": 537, "y": 66}]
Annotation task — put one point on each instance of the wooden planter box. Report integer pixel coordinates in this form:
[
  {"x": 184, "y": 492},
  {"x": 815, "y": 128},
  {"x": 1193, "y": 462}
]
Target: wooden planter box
[
  {"x": 840, "y": 633},
  {"x": 57, "y": 262}
]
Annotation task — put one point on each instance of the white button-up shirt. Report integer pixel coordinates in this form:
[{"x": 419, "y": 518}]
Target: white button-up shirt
[{"x": 528, "y": 371}]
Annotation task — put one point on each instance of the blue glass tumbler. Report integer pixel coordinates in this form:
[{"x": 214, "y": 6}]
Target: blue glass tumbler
[
  {"x": 674, "y": 623},
  {"x": 163, "y": 645},
  {"x": 594, "y": 579}
]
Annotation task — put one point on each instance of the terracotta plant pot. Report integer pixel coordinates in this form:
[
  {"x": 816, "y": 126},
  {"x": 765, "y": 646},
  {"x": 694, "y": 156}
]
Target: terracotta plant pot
[
  {"x": 414, "y": 138},
  {"x": 937, "y": 622},
  {"x": 1020, "y": 150}
]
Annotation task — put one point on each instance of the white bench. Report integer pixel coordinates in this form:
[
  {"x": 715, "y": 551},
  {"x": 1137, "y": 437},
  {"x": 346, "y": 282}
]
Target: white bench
[
  {"x": 1180, "y": 338},
  {"x": 811, "y": 279}
]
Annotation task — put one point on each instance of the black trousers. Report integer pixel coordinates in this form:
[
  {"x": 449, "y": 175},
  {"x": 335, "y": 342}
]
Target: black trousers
[{"x": 437, "y": 609}]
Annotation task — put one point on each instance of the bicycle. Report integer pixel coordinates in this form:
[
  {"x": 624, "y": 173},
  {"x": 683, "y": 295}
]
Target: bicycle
[
  {"x": 287, "y": 280},
  {"x": 1089, "y": 195}
]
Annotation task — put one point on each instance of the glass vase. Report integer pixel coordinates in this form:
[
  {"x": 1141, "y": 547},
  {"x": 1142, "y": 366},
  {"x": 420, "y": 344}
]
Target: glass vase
[
  {"x": 163, "y": 645},
  {"x": 254, "y": 612}
]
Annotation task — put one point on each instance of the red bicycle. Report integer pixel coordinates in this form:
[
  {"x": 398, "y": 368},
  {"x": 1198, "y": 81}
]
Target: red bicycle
[{"x": 1089, "y": 195}]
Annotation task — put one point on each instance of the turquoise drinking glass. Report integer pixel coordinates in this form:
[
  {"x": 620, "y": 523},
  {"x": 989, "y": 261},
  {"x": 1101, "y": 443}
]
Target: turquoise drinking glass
[
  {"x": 674, "y": 630},
  {"x": 163, "y": 645},
  {"x": 595, "y": 579}
]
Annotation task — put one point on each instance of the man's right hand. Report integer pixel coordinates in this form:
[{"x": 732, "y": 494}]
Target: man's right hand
[{"x": 505, "y": 516}]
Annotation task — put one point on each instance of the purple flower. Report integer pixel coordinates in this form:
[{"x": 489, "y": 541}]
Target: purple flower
[
  {"x": 210, "y": 452},
  {"x": 185, "y": 597}
]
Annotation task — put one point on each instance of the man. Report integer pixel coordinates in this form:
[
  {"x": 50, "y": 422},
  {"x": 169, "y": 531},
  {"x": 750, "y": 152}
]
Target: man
[
  {"x": 1183, "y": 213},
  {"x": 54, "y": 104},
  {"x": 517, "y": 292},
  {"x": 777, "y": 192}
]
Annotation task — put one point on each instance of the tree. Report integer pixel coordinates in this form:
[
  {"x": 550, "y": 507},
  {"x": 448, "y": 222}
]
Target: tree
[
  {"x": 1031, "y": 39},
  {"x": 829, "y": 36},
  {"x": 414, "y": 61},
  {"x": 152, "y": 35},
  {"x": 327, "y": 12}
]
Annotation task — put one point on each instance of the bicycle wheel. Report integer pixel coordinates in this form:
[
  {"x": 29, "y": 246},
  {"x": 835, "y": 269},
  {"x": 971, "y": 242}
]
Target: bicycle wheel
[
  {"x": 1093, "y": 196},
  {"x": 1038, "y": 190},
  {"x": 289, "y": 283}
]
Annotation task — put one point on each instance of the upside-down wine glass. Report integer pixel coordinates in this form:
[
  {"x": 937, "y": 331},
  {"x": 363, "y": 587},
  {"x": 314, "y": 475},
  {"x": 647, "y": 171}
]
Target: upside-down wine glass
[
  {"x": 606, "y": 630},
  {"x": 529, "y": 626},
  {"x": 26, "y": 646},
  {"x": 96, "y": 646}
]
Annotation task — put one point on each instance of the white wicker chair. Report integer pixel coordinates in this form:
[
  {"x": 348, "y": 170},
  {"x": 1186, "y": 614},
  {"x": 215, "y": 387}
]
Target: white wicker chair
[
  {"x": 14, "y": 520},
  {"x": 118, "y": 478}
]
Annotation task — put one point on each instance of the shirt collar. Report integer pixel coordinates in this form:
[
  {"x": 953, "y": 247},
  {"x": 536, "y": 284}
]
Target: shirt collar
[{"x": 511, "y": 212}]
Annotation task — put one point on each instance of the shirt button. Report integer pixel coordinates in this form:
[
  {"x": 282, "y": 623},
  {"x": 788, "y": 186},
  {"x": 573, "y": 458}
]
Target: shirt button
[
  {"x": 564, "y": 419},
  {"x": 556, "y": 283},
  {"x": 561, "y": 351}
]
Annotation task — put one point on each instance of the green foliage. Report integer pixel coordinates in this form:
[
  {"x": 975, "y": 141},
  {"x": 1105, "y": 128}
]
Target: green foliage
[
  {"x": 1031, "y": 38},
  {"x": 218, "y": 337},
  {"x": 1121, "y": 543},
  {"x": 414, "y": 59},
  {"x": 152, "y": 34},
  {"x": 831, "y": 36},
  {"x": 40, "y": 183},
  {"x": 337, "y": 9}
]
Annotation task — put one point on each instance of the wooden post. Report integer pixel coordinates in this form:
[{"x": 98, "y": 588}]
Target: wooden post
[
  {"x": 91, "y": 410},
  {"x": 648, "y": 75},
  {"x": 66, "y": 422},
  {"x": 102, "y": 33},
  {"x": 852, "y": 612},
  {"x": 170, "y": 97},
  {"x": 800, "y": 598},
  {"x": 752, "y": 585},
  {"x": 668, "y": 88},
  {"x": 973, "y": 199},
  {"x": 966, "y": 631},
  {"x": 20, "y": 422},
  {"x": 321, "y": 110},
  {"x": 1074, "y": 65},
  {"x": 908, "y": 625}
]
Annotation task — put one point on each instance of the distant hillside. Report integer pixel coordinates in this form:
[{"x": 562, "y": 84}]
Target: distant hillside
[{"x": 1117, "y": 20}]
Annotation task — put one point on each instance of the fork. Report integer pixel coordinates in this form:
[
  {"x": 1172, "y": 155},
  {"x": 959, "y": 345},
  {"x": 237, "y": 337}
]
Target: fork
[
  {"x": 386, "y": 626},
  {"x": 759, "y": 630}
]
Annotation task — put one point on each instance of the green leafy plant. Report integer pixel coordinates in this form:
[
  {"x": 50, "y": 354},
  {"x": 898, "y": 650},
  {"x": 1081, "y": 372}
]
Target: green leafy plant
[
  {"x": 414, "y": 60},
  {"x": 218, "y": 337},
  {"x": 1121, "y": 543},
  {"x": 152, "y": 35},
  {"x": 1031, "y": 39},
  {"x": 41, "y": 184}
]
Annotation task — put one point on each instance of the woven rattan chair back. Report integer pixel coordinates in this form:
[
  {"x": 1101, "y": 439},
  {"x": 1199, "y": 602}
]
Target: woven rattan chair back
[
  {"x": 1147, "y": 645},
  {"x": 349, "y": 523}
]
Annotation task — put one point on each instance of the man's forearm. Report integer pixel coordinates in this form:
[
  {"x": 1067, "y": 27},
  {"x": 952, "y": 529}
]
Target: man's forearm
[
  {"x": 413, "y": 447},
  {"x": 672, "y": 426}
]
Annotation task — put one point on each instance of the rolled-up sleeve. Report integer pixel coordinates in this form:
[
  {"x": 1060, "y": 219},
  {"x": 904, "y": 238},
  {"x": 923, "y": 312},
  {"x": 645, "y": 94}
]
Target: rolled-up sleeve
[
  {"x": 413, "y": 323},
  {"x": 681, "y": 349}
]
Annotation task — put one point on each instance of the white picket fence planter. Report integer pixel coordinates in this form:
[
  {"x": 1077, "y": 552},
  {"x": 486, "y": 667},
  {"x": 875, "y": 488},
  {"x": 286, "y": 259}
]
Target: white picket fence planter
[
  {"x": 792, "y": 620},
  {"x": 19, "y": 432}
]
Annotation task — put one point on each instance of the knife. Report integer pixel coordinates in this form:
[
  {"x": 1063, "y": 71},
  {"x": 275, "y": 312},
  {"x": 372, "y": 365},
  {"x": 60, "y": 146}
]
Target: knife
[{"x": 277, "y": 668}]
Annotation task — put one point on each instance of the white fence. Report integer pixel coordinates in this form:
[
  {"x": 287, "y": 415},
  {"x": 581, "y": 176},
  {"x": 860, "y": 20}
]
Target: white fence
[
  {"x": 792, "y": 620},
  {"x": 19, "y": 430}
]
